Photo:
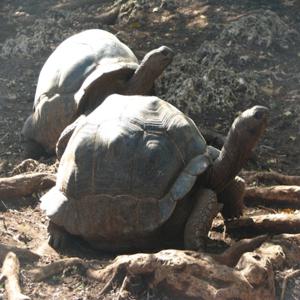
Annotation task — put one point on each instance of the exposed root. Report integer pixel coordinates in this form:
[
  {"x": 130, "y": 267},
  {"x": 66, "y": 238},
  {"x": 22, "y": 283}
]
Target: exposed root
[
  {"x": 231, "y": 256},
  {"x": 25, "y": 184},
  {"x": 57, "y": 267},
  {"x": 118, "y": 276},
  {"x": 189, "y": 274},
  {"x": 267, "y": 177},
  {"x": 123, "y": 292},
  {"x": 282, "y": 195},
  {"x": 270, "y": 223},
  {"x": 10, "y": 273},
  {"x": 27, "y": 165},
  {"x": 184, "y": 274},
  {"x": 24, "y": 255}
]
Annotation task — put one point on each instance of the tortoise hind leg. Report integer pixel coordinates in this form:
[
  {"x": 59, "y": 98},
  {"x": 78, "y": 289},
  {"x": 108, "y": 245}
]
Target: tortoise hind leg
[
  {"x": 232, "y": 197},
  {"x": 58, "y": 237},
  {"x": 199, "y": 222}
]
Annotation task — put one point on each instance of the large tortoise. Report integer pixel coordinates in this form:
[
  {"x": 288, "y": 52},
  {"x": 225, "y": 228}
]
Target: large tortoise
[
  {"x": 137, "y": 174},
  {"x": 78, "y": 76}
]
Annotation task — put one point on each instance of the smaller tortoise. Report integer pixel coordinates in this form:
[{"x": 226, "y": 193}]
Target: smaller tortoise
[
  {"x": 137, "y": 174},
  {"x": 78, "y": 76}
]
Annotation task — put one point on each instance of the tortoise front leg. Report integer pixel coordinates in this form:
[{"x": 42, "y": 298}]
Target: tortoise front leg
[
  {"x": 200, "y": 220},
  {"x": 233, "y": 198}
]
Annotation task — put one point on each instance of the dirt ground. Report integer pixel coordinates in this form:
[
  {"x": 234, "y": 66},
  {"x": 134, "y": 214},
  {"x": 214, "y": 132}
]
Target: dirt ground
[{"x": 258, "y": 64}]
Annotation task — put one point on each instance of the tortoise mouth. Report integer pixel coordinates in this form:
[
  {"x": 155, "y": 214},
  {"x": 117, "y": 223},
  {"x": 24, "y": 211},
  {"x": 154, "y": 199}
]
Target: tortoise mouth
[
  {"x": 159, "y": 57},
  {"x": 167, "y": 52}
]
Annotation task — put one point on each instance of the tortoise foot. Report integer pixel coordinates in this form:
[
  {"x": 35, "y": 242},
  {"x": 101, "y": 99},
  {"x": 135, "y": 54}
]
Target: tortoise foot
[
  {"x": 58, "y": 237},
  {"x": 233, "y": 198}
]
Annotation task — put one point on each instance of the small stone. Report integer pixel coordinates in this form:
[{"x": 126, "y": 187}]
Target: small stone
[{"x": 21, "y": 14}]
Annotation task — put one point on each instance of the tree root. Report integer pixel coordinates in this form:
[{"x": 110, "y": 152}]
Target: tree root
[
  {"x": 10, "y": 273},
  {"x": 231, "y": 256},
  {"x": 25, "y": 184},
  {"x": 281, "y": 195},
  {"x": 55, "y": 268},
  {"x": 192, "y": 275},
  {"x": 183, "y": 273},
  {"x": 270, "y": 223},
  {"x": 267, "y": 177},
  {"x": 27, "y": 165},
  {"x": 175, "y": 269},
  {"x": 25, "y": 255}
]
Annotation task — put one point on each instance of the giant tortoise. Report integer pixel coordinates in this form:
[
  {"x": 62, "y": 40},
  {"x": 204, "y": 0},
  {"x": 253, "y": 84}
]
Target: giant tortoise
[
  {"x": 78, "y": 76},
  {"x": 137, "y": 174}
]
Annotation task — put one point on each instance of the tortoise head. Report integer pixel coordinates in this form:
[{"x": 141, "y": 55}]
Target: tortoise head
[
  {"x": 247, "y": 128},
  {"x": 243, "y": 136},
  {"x": 152, "y": 65},
  {"x": 157, "y": 60}
]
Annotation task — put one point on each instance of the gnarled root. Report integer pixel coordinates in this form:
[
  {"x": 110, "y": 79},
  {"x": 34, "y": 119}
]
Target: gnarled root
[
  {"x": 57, "y": 267},
  {"x": 231, "y": 256},
  {"x": 25, "y": 184},
  {"x": 270, "y": 177},
  {"x": 25, "y": 255},
  {"x": 270, "y": 223},
  {"x": 10, "y": 273},
  {"x": 280, "y": 195},
  {"x": 187, "y": 274},
  {"x": 193, "y": 275}
]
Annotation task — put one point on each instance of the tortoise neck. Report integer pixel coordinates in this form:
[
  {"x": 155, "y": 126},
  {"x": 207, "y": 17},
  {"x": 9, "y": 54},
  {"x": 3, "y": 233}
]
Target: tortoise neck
[
  {"x": 141, "y": 83},
  {"x": 229, "y": 163}
]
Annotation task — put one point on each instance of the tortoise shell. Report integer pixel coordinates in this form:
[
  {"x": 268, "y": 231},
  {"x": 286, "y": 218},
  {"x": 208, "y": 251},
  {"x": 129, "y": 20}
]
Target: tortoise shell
[
  {"x": 70, "y": 69},
  {"x": 124, "y": 168}
]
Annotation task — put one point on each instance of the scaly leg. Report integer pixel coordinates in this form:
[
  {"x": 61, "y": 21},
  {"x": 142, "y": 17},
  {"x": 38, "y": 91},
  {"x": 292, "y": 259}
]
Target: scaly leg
[
  {"x": 199, "y": 222},
  {"x": 233, "y": 198}
]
